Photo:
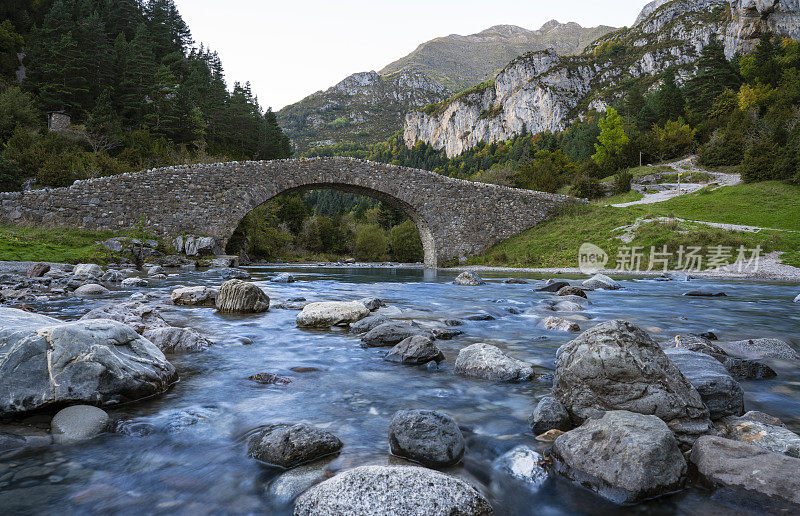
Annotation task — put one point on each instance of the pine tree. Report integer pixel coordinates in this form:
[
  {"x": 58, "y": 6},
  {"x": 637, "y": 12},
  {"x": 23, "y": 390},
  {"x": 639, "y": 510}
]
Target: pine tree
[
  {"x": 714, "y": 75},
  {"x": 11, "y": 43},
  {"x": 668, "y": 100},
  {"x": 122, "y": 17}
]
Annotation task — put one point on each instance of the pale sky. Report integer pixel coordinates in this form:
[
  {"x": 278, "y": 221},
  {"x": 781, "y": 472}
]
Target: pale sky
[{"x": 289, "y": 49}]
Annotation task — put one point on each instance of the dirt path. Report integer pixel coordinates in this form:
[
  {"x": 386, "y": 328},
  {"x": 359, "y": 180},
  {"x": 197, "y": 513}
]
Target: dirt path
[{"x": 687, "y": 165}]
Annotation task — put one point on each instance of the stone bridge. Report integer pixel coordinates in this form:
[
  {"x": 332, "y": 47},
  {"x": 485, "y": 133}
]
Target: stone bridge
[{"x": 455, "y": 218}]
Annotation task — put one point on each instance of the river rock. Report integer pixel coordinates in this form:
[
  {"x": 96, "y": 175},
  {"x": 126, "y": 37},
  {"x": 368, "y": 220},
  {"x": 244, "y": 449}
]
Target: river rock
[
  {"x": 569, "y": 290},
  {"x": 488, "y": 362},
  {"x": 138, "y": 316},
  {"x": 760, "y": 348},
  {"x": 445, "y": 333},
  {"x": 797, "y": 299},
  {"x": 549, "y": 414},
  {"x": 469, "y": 279},
  {"x": 229, "y": 273},
  {"x": 748, "y": 369},
  {"x": 287, "y": 445},
  {"x": 773, "y": 438},
  {"x": 331, "y": 313},
  {"x": 694, "y": 342},
  {"x": 552, "y": 285},
  {"x": 269, "y": 379},
  {"x": 719, "y": 391},
  {"x": 752, "y": 470},
  {"x": 367, "y": 323},
  {"x": 91, "y": 289},
  {"x": 290, "y": 484},
  {"x": 87, "y": 270},
  {"x": 372, "y": 303},
  {"x": 134, "y": 282},
  {"x": 155, "y": 270},
  {"x": 79, "y": 422},
  {"x": 389, "y": 334},
  {"x": 567, "y": 306},
  {"x": 48, "y": 362},
  {"x": 384, "y": 490},
  {"x": 177, "y": 340},
  {"x": 194, "y": 296},
  {"x": 623, "y": 456},
  {"x": 560, "y": 324},
  {"x": 241, "y": 297},
  {"x": 741, "y": 368},
  {"x": 760, "y": 417},
  {"x": 522, "y": 463},
  {"x": 283, "y": 277},
  {"x": 515, "y": 281},
  {"x": 426, "y": 436},
  {"x": 415, "y": 350},
  {"x": 112, "y": 276},
  {"x": 617, "y": 366},
  {"x": 601, "y": 282},
  {"x": 704, "y": 293},
  {"x": 37, "y": 270}
]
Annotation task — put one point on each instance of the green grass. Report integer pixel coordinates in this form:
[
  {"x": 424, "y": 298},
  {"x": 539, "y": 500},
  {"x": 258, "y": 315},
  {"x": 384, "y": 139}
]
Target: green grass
[
  {"x": 770, "y": 204},
  {"x": 28, "y": 243},
  {"x": 555, "y": 243},
  {"x": 619, "y": 198},
  {"x": 643, "y": 171}
]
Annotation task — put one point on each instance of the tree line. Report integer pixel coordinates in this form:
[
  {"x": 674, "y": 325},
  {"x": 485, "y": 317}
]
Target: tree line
[{"x": 137, "y": 90}]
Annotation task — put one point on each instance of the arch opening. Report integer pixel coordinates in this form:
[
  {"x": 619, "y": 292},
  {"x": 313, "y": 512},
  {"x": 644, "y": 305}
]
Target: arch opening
[{"x": 260, "y": 206}]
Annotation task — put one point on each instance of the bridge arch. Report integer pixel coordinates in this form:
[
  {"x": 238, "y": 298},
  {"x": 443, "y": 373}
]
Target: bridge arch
[{"x": 455, "y": 218}]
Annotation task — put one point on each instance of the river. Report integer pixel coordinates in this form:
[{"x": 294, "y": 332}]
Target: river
[{"x": 184, "y": 452}]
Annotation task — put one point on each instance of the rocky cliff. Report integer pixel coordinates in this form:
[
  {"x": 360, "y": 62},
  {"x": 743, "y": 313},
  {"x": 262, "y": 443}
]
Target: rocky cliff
[
  {"x": 369, "y": 107},
  {"x": 542, "y": 91}
]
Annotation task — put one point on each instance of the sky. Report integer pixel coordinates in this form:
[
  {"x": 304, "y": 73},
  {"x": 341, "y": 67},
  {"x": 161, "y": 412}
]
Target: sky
[{"x": 289, "y": 49}]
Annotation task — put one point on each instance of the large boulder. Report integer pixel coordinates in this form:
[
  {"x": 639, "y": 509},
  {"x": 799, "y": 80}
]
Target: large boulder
[
  {"x": 48, "y": 362},
  {"x": 287, "y": 445},
  {"x": 138, "y": 316},
  {"x": 774, "y": 438},
  {"x": 195, "y": 296},
  {"x": 87, "y": 271},
  {"x": 177, "y": 340},
  {"x": 719, "y": 391},
  {"x": 384, "y": 490},
  {"x": 241, "y": 297},
  {"x": 623, "y": 456},
  {"x": 618, "y": 366},
  {"x": 331, "y": 313},
  {"x": 549, "y": 414},
  {"x": 426, "y": 436},
  {"x": 760, "y": 348},
  {"x": 415, "y": 350},
  {"x": 389, "y": 334},
  {"x": 79, "y": 422},
  {"x": 469, "y": 279},
  {"x": 601, "y": 282},
  {"x": 488, "y": 362},
  {"x": 749, "y": 469}
]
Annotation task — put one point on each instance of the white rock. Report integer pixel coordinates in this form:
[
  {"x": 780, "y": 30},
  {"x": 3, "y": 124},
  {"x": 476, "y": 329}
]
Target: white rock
[
  {"x": 331, "y": 313},
  {"x": 87, "y": 270},
  {"x": 194, "y": 296},
  {"x": 601, "y": 281},
  {"x": 134, "y": 282},
  {"x": 79, "y": 422},
  {"x": 91, "y": 289},
  {"x": 559, "y": 324},
  {"x": 523, "y": 463}
]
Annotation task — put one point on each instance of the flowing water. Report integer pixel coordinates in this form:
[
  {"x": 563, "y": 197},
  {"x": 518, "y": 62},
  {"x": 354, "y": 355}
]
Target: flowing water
[{"x": 184, "y": 452}]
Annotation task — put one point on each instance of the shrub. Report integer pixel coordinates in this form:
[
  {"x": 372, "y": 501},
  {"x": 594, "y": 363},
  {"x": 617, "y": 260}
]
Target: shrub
[
  {"x": 587, "y": 188},
  {"x": 371, "y": 243},
  {"x": 405, "y": 242},
  {"x": 725, "y": 147},
  {"x": 622, "y": 182}
]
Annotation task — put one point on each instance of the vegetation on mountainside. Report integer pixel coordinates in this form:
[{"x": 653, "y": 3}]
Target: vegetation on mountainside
[{"x": 138, "y": 93}]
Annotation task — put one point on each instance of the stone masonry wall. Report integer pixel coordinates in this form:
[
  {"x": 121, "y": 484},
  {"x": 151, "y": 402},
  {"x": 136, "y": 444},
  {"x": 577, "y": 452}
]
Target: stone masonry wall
[{"x": 455, "y": 218}]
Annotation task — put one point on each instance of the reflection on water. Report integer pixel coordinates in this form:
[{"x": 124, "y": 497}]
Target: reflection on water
[{"x": 183, "y": 452}]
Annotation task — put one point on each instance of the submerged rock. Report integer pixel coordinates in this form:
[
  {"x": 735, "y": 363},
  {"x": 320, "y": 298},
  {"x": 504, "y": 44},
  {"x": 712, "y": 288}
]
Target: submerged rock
[
  {"x": 426, "y": 436},
  {"x": 560, "y": 324},
  {"x": 389, "y": 334},
  {"x": 178, "y": 340},
  {"x": 48, "y": 362},
  {"x": 79, "y": 422},
  {"x": 331, "y": 313},
  {"x": 415, "y": 350},
  {"x": 488, "y": 362},
  {"x": 269, "y": 379},
  {"x": 287, "y": 445},
  {"x": 283, "y": 277},
  {"x": 469, "y": 279},
  {"x": 719, "y": 391},
  {"x": 754, "y": 471},
  {"x": 367, "y": 323},
  {"x": 241, "y": 297},
  {"x": 553, "y": 285},
  {"x": 623, "y": 456},
  {"x": 138, "y": 316},
  {"x": 522, "y": 463},
  {"x": 760, "y": 348},
  {"x": 549, "y": 414},
  {"x": 384, "y": 490},
  {"x": 372, "y": 303},
  {"x": 195, "y": 296},
  {"x": 617, "y": 366}
]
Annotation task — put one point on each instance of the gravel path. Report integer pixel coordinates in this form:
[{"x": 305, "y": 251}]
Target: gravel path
[{"x": 685, "y": 165}]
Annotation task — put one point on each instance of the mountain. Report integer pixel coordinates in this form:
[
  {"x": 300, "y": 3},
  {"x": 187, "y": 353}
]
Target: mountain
[
  {"x": 542, "y": 91},
  {"x": 369, "y": 107},
  {"x": 459, "y": 62}
]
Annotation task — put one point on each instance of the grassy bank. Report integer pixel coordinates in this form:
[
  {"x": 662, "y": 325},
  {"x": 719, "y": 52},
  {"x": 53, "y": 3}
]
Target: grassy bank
[
  {"x": 555, "y": 243},
  {"x": 28, "y": 243}
]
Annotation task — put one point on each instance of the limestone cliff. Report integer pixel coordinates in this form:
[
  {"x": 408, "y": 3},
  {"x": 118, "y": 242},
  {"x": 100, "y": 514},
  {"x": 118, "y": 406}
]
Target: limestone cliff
[{"x": 542, "y": 91}]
